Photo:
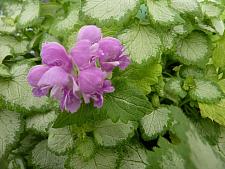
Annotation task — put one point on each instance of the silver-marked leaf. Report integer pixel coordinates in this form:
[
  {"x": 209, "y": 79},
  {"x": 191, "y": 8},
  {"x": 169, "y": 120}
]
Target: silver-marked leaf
[
  {"x": 18, "y": 93},
  {"x": 103, "y": 159},
  {"x": 161, "y": 13},
  {"x": 211, "y": 9},
  {"x": 85, "y": 147},
  {"x": 194, "y": 49},
  {"x": 29, "y": 13},
  {"x": 142, "y": 43},
  {"x": 108, "y": 133},
  {"x": 206, "y": 91},
  {"x": 40, "y": 123},
  {"x": 155, "y": 123},
  {"x": 185, "y": 6},
  {"x": 4, "y": 51},
  {"x": 10, "y": 128},
  {"x": 60, "y": 140},
  {"x": 135, "y": 157},
  {"x": 107, "y": 10},
  {"x": 42, "y": 158}
]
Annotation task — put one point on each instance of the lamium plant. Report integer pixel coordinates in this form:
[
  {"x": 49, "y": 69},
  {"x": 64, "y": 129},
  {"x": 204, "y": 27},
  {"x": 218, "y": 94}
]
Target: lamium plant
[{"x": 112, "y": 84}]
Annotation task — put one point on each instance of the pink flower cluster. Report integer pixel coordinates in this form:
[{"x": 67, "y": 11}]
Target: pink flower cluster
[{"x": 80, "y": 74}]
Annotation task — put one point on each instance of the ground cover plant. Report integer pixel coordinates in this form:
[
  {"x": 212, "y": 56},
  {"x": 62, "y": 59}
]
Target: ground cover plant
[{"x": 153, "y": 98}]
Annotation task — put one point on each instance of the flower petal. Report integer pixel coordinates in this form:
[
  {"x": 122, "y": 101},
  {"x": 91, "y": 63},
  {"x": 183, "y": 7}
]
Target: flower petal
[
  {"x": 54, "y": 76},
  {"x": 54, "y": 54},
  {"x": 70, "y": 102},
  {"x": 109, "y": 48},
  {"x": 91, "y": 80},
  {"x": 82, "y": 54},
  {"x": 36, "y": 73},
  {"x": 91, "y": 33}
]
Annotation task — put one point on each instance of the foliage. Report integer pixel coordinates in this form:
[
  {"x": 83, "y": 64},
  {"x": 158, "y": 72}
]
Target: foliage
[{"x": 168, "y": 107}]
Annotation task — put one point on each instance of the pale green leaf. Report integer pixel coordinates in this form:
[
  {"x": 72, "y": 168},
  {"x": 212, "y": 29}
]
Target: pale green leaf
[
  {"x": 206, "y": 91},
  {"x": 214, "y": 111},
  {"x": 40, "y": 123},
  {"x": 218, "y": 53},
  {"x": 4, "y": 71},
  {"x": 103, "y": 159},
  {"x": 127, "y": 103},
  {"x": 193, "y": 49},
  {"x": 185, "y": 6},
  {"x": 211, "y": 9},
  {"x": 10, "y": 128},
  {"x": 142, "y": 43},
  {"x": 12, "y": 9},
  {"x": 218, "y": 25},
  {"x": 42, "y": 158},
  {"x": 161, "y": 13},
  {"x": 85, "y": 147},
  {"x": 106, "y": 10},
  {"x": 4, "y": 51},
  {"x": 142, "y": 75},
  {"x": 7, "y": 25},
  {"x": 17, "y": 92},
  {"x": 108, "y": 133},
  {"x": 155, "y": 123},
  {"x": 29, "y": 13},
  {"x": 135, "y": 157},
  {"x": 60, "y": 140}
]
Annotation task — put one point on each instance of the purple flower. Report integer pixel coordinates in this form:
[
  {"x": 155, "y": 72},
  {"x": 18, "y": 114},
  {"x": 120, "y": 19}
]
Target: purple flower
[
  {"x": 91, "y": 33},
  {"x": 68, "y": 77},
  {"x": 93, "y": 85},
  {"x": 111, "y": 54},
  {"x": 84, "y": 54},
  {"x": 54, "y": 75}
]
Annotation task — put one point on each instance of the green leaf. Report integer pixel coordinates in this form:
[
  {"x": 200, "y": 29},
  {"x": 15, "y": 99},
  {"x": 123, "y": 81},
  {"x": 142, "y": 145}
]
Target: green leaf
[
  {"x": 161, "y": 13},
  {"x": 142, "y": 75},
  {"x": 67, "y": 24},
  {"x": 173, "y": 87},
  {"x": 42, "y": 158},
  {"x": 185, "y": 6},
  {"x": 208, "y": 129},
  {"x": 29, "y": 14},
  {"x": 142, "y": 43},
  {"x": 110, "y": 134},
  {"x": 214, "y": 111},
  {"x": 135, "y": 157},
  {"x": 126, "y": 103},
  {"x": 85, "y": 147},
  {"x": 60, "y": 140},
  {"x": 87, "y": 115},
  {"x": 191, "y": 150},
  {"x": 206, "y": 91},
  {"x": 10, "y": 129},
  {"x": 103, "y": 159},
  {"x": 218, "y": 53},
  {"x": 17, "y": 91},
  {"x": 211, "y": 9},
  {"x": 221, "y": 141},
  {"x": 41, "y": 123},
  {"x": 193, "y": 49},
  {"x": 155, "y": 123},
  {"x": 16, "y": 163},
  {"x": 4, "y": 51},
  {"x": 106, "y": 11}
]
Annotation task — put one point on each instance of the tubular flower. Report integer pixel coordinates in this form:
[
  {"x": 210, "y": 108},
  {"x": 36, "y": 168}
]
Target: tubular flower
[{"x": 71, "y": 78}]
